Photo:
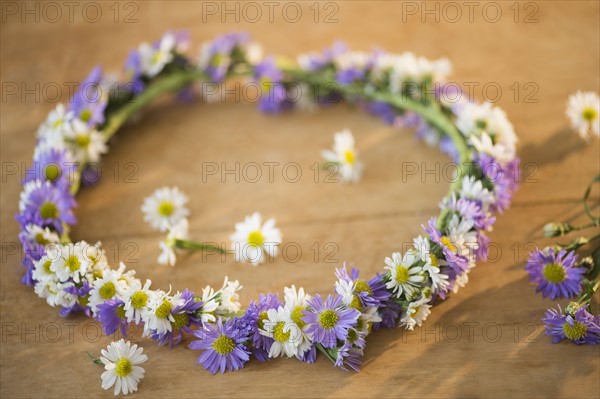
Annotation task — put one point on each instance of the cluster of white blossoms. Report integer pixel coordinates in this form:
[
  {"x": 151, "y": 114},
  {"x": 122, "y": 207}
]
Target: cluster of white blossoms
[
  {"x": 62, "y": 130},
  {"x": 344, "y": 156},
  {"x": 407, "y": 67},
  {"x": 583, "y": 110},
  {"x": 67, "y": 269},
  {"x": 286, "y": 327},
  {"x": 488, "y": 129}
]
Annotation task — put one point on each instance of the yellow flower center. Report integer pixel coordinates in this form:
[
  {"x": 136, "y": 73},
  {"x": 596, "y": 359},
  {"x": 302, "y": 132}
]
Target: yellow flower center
[
  {"x": 434, "y": 260},
  {"x": 223, "y": 345},
  {"x": 166, "y": 208},
  {"x": 297, "y": 316},
  {"x": 82, "y": 140},
  {"x": 48, "y": 211},
  {"x": 576, "y": 331},
  {"x": 121, "y": 312},
  {"x": 47, "y": 265},
  {"x": 39, "y": 238},
  {"x": 52, "y": 172},
  {"x": 107, "y": 291},
  {"x": 589, "y": 114},
  {"x": 123, "y": 367},
  {"x": 139, "y": 299},
  {"x": 554, "y": 273},
  {"x": 278, "y": 334},
  {"x": 349, "y": 156},
  {"x": 402, "y": 274},
  {"x": 164, "y": 310},
  {"x": 84, "y": 301},
  {"x": 363, "y": 286},
  {"x": 356, "y": 304},
  {"x": 85, "y": 115},
  {"x": 352, "y": 335},
  {"x": 328, "y": 318},
  {"x": 256, "y": 239},
  {"x": 448, "y": 243},
  {"x": 181, "y": 320},
  {"x": 261, "y": 320},
  {"x": 72, "y": 263}
]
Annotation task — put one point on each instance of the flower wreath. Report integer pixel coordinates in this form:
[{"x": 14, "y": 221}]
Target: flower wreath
[{"x": 401, "y": 89}]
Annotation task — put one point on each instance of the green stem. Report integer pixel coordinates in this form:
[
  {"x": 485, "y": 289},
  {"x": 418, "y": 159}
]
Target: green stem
[
  {"x": 199, "y": 246},
  {"x": 325, "y": 352}
]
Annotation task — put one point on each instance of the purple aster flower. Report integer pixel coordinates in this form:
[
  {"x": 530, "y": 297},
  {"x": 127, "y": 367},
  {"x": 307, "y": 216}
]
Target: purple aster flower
[
  {"x": 472, "y": 210},
  {"x": 555, "y": 273},
  {"x": 82, "y": 304},
  {"x": 273, "y": 96},
  {"x": 222, "y": 345},
  {"x": 371, "y": 293},
  {"x": 329, "y": 320},
  {"x": 505, "y": 178},
  {"x": 53, "y": 165},
  {"x": 315, "y": 61},
  {"x": 89, "y": 102},
  {"x": 383, "y": 110},
  {"x": 46, "y": 205},
  {"x": 29, "y": 265},
  {"x": 349, "y": 356},
  {"x": 254, "y": 318},
  {"x": 580, "y": 327},
  {"x": 133, "y": 69},
  {"x": 217, "y": 54},
  {"x": 389, "y": 312},
  {"x": 184, "y": 316},
  {"x": 111, "y": 315},
  {"x": 310, "y": 356},
  {"x": 457, "y": 263}
]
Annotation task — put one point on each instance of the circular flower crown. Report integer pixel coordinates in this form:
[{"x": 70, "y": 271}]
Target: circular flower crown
[{"x": 404, "y": 90}]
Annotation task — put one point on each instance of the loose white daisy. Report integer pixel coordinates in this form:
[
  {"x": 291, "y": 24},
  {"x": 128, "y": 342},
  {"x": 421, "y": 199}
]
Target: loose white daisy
[
  {"x": 345, "y": 156},
  {"x": 583, "y": 109},
  {"x": 136, "y": 300},
  {"x": 87, "y": 144},
  {"x": 121, "y": 361},
  {"x": 69, "y": 261},
  {"x": 253, "y": 239},
  {"x": 405, "y": 274},
  {"x": 179, "y": 231},
  {"x": 416, "y": 314},
  {"x": 286, "y": 335},
  {"x": 165, "y": 208},
  {"x": 158, "y": 317},
  {"x": 109, "y": 286},
  {"x": 152, "y": 59},
  {"x": 229, "y": 297}
]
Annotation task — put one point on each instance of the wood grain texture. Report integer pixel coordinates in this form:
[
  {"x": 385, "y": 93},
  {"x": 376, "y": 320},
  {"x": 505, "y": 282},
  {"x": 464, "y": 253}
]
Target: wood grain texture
[{"x": 486, "y": 341}]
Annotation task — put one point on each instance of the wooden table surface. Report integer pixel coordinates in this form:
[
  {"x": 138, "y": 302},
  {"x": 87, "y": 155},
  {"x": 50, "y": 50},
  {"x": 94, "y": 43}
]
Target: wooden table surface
[{"x": 486, "y": 341}]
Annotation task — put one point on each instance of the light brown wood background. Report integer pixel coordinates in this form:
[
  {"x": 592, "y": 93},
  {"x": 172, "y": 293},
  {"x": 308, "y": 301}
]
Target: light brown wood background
[{"x": 487, "y": 341}]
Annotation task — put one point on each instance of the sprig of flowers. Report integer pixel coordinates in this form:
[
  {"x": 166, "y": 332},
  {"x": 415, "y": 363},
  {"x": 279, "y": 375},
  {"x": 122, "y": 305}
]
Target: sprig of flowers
[
  {"x": 570, "y": 271},
  {"x": 76, "y": 277}
]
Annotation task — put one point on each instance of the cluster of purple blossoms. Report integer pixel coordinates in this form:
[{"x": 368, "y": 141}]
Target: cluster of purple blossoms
[
  {"x": 220, "y": 56},
  {"x": 273, "y": 95},
  {"x": 577, "y": 325}
]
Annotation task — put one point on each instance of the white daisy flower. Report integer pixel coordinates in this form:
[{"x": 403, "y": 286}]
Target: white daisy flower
[
  {"x": 121, "y": 361},
  {"x": 286, "y": 335},
  {"x": 55, "y": 124},
  {"x": 54, "y": 293},
  {"x": 109, "y": 286},
  {"x": 439, "y": 281},
  {"x": 583, "y": 109},
  {"x": 153, "y": 60},
  {"x": 136, "y": 300},
  {"x": 86, "y": 143},
  {"x": 296, "y": 301},
  {"x": 405, "y": 274},
  {"x": 351, "y": 60},
  {"x": 158, "y": 317},
  {"x": 42, "y": 271},
  {"x": 463, "y": 237},
  {"x": 461, "y": 280},
  {"x": 345, "y": 155},
  {"x": 416, "y": 314},
  {"x": 98, "y": 261},
  {"x": 407, "y": 67},
  {"x": 254, "y": 53},
  {"x": 68, "y": 261},
  {"x": 39, "y": 235},
  {"x": 229, "y": 297},
  {"x": 473, "y": 189},
  {"x": 179, "y": 231},
  {"x": 253, "y": 239},
  {"x": 473, "y": 120},
  {"x": 165, "y": 208},
  {"x": 209, "y": 305},
  {"x": 345, "y": 289}
]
